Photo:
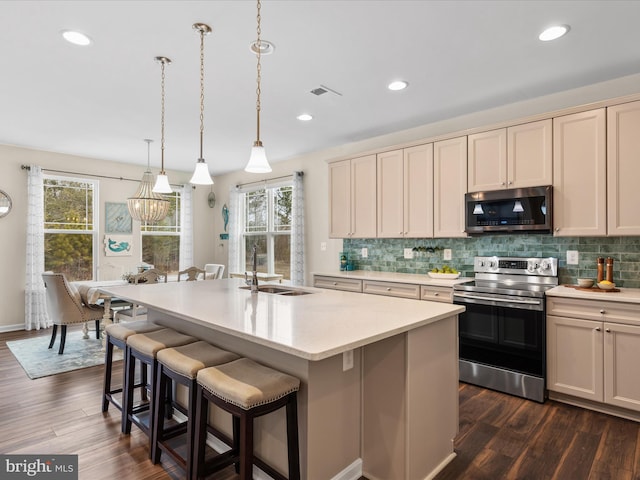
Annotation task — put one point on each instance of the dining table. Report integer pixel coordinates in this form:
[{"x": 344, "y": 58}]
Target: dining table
[{"x": 92, "y": 295}]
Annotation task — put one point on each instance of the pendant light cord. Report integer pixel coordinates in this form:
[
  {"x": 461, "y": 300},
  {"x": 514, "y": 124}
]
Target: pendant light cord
[
  {"x": 162, "y": 63},
  {"x": 201, "y": 90},
  {"x": 259, "y": 76},
  {"x": 148, "y": 140}
]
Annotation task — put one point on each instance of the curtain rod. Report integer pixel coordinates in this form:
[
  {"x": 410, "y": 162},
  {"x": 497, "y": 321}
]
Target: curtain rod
[
  {"x": 301, "y": 173},
  {"x": 27, "y": 167}
]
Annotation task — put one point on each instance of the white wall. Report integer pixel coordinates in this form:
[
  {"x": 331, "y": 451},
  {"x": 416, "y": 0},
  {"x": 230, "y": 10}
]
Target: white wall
[{"x": 208, "y": 223}]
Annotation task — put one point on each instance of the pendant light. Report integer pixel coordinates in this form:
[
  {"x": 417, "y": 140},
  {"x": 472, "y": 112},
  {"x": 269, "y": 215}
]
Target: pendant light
[
  {"x": 162, "y": 181},
  {"x": 258, "y": 160},
  {"x": 201, "y": 174},
  {"x": 146, "y": 206}
]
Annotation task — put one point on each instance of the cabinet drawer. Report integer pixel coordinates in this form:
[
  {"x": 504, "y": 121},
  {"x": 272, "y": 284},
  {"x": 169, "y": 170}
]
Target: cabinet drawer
[
  {"x": 338, "y": 283},
  {"x": 404, "y": 290},
  {"x": 626, "y": 313},
  {"x": 436, "y": 294}
]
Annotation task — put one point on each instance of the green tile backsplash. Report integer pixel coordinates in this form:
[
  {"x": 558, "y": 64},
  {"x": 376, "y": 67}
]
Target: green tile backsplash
[{"x": 387, "y": 254}]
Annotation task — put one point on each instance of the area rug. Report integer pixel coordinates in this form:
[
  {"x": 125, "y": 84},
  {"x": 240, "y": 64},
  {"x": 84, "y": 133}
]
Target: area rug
[{"x": 38, "y": 361}]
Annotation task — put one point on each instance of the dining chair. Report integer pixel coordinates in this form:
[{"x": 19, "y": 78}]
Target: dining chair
[
  {"x": 192, "y": 274},
  {"x": 213, "y": 271},
  {"x": 65, "y": 307},
  {"x": 153, "y": 275}
]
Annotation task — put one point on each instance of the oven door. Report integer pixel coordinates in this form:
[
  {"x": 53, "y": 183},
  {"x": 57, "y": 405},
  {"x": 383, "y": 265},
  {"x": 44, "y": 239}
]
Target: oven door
[{"x": 505, "y": 333}]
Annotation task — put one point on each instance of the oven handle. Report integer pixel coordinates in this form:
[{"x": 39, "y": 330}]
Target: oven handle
[{"x": 494, "y": 299}]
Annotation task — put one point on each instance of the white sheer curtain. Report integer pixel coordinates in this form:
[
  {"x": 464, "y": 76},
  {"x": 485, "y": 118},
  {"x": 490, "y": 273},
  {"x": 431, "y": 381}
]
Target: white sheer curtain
[
  {"x": 186, "y": 227},
  {"x": 35, "y": 305},
  {"x": 235, "y": 225},
  {"x": 297, "y": 230}
]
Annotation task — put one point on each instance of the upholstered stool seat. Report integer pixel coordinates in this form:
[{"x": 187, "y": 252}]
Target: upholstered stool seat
[
  {"x": 247, "y": 390},
  {"x": 181, "y": 364},
  {"x": 116, "y": 336},
  {"x": 144, "y": 348}
]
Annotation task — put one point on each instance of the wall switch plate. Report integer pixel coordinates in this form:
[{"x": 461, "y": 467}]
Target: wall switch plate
[
  {"x": 408, "y": 253},
  {"x": 446, "y": 254},
  {"x": 572, "y": 257},
  {"x": 364, "y": 252},
  {"x": 347, "y": 360},
  {"x": 323, "y": 246}
]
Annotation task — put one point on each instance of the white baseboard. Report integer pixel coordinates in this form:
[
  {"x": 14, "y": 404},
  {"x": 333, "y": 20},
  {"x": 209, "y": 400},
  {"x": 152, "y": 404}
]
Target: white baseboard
[
  {"x": 352, "y": 472},
  {"x": 11, "y": 328}
]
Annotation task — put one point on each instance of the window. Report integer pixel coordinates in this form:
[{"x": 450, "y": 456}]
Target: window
[
  {"x": 70, "y": 216},
  {"x": 267, "y": 223},
  {"x": 161, "y": 242}
]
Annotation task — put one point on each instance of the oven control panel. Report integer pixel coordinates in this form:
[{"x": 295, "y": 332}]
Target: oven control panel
[{"x": 547, "y": 267}]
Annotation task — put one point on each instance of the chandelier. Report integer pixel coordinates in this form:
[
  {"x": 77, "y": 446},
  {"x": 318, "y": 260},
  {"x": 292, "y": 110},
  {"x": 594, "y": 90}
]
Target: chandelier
[{"x": 146, "y": 206}]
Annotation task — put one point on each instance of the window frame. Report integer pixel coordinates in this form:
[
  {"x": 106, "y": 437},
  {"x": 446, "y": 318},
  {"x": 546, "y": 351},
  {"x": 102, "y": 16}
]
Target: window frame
[
  {"x": 95, "y": 218},
  {"x": 168, "y": 231},
  {"x": 270, "y": 232}
]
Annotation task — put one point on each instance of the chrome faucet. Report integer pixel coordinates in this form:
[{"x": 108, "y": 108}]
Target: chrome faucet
[{"x": 254, "y": 263}]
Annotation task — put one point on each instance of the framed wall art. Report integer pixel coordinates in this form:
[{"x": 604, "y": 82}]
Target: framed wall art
[
  {"x": 118, "y": 245},
  {"x": 116, "y": 218}
]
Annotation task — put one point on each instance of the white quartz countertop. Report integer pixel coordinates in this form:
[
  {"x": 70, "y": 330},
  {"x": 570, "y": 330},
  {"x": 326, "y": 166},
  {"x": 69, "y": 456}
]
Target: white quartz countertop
[
  {"x": 626, "y": 295},
  {"x": 415, "y": 278},
  {"x": 313, "y": 327}
]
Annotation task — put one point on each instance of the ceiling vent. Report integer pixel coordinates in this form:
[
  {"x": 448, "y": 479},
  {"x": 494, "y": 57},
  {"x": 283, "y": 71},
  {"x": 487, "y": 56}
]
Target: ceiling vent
[{"x": 321, "y": 90}]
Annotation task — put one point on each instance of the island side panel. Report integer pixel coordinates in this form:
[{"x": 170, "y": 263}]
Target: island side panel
[{"x": 410, "y": 402}]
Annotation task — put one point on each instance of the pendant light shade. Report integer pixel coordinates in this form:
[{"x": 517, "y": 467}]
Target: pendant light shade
[
  {"x": 201, "y": 175},
  {"x": 146, "y": 206},
  {"x": 162, "y": 180},
  {"x": 258, "y": 162}
]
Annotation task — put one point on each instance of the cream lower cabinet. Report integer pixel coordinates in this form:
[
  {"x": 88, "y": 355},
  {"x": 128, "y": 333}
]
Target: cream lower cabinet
[{"x": 594, "y": 359}]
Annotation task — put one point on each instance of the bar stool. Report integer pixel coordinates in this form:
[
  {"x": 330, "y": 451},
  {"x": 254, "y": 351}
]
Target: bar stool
[
  {"x": 116, "y": 336},
  {"x": 181, "y": 364},
  {"x": 246, "y": 390},
  {"x": 144, "y": 347}
]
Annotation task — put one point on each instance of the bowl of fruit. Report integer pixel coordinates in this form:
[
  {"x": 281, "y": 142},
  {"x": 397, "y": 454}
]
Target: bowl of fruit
[
  {"x": 444, "y": 273},
  {"x": 606, "y": 285}
]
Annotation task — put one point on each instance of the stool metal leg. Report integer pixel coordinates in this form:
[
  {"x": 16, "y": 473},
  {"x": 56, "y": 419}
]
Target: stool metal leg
[{"x": 108, "y": 367}]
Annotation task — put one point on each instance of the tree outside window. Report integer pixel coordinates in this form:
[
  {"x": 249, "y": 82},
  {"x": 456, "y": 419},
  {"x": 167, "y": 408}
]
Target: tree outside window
[
  {"x": 267, "y": 223},
  {"x": 70, "y": 238},
  {"x": 161, "y": 241}
]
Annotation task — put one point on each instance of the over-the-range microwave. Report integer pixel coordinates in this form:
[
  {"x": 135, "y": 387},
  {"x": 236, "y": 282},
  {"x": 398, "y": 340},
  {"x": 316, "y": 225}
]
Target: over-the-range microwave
[{"x": 515, "y": 210}]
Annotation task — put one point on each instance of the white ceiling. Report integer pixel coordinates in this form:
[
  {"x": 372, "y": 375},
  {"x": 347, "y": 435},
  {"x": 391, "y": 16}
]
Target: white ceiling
[{"x": 458, "y": 56}]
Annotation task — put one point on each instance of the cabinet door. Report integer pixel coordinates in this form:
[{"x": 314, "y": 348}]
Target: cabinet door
[
  {"x": 390, "y": 194},
  {"x": 488, "y": 161},
  {"x": 574, "y": 357},
  {"x": 621, "y": 358},
  {"x": 363, "y": 197},
  {"x": 579, "y": 174},
  {"x": 449, "y": 187},
  {"x": 529, "y": 154},
  {"x": 418, "y": 191},
  {"x": 623, "y": 169},
  {"x": 340, "y": 199}
]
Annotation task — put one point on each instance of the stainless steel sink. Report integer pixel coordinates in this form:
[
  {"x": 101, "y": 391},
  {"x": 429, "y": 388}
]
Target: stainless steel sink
[{"x": 275, "y": 290}]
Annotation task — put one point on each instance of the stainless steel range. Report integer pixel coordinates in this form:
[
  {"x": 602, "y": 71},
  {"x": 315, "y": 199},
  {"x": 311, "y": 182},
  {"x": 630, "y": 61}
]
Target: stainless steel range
[{"x": 502, "y": 332}]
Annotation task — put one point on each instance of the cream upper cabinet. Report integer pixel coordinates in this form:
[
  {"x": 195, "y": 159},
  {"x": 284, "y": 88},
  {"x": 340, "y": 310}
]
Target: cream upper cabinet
[
  {"x": 579, "y": 174},
  {"x": 449, "y": 187},
  {"x": 405, "y": 192},
  {"x": 623, "y": 169},
  {"x": 352, "y": 198},
  {"x": 513, "y": 157}
]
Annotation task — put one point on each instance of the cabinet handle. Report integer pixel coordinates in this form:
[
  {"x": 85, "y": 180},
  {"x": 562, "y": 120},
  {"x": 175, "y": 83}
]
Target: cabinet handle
[
  {"x": 335, "y": 283},
  {"x": 436, "y": 294},
  {"x": 509, "y": 183},
  {"x": 502, "y": 184},
  {"x": 602, "y": 312},
  {"x": 597, "y": 329},
  {"x": 388, "y": 289},
  {"x": 557, "y": 229},
  {"x": 608, "y": 330}
]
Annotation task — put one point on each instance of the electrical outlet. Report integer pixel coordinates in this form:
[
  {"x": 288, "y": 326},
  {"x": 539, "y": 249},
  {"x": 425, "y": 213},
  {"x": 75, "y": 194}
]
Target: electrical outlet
[
  {"x": 347, "y": 360},
  {"x": 364, "y": 252},
  {"x": 572, "y": 257},
  {"x": 446, "y": 254},
  {"x": 408, "y": 253},
  {"x": 323, "y": 246}
]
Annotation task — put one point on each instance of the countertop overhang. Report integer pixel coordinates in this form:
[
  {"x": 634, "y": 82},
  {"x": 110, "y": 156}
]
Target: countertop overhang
[
  {"x": 625, "y": 295},
  {"x": 314, "y": 327},
  {"x": 415, "y": 278}
]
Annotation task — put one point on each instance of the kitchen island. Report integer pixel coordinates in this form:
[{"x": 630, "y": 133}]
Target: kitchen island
[{"x": 379, "y": 375}]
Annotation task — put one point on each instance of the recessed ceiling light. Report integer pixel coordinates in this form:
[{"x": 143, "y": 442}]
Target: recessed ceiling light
[
  {"x": 305, "y": 117},
  {"x": 397, "y": 85},
  {"x": 76, "y": 38},
  {"x": 266, "y": 47},
  {"x": 553, "y": 32}
]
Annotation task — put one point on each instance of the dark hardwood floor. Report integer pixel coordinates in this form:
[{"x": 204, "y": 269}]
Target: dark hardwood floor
[{"x": 501, "y": 437}]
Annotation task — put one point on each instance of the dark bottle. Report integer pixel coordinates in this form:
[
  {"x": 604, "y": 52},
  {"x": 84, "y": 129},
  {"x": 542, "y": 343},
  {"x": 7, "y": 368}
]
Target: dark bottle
[{"x": 600, "y": 269}]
